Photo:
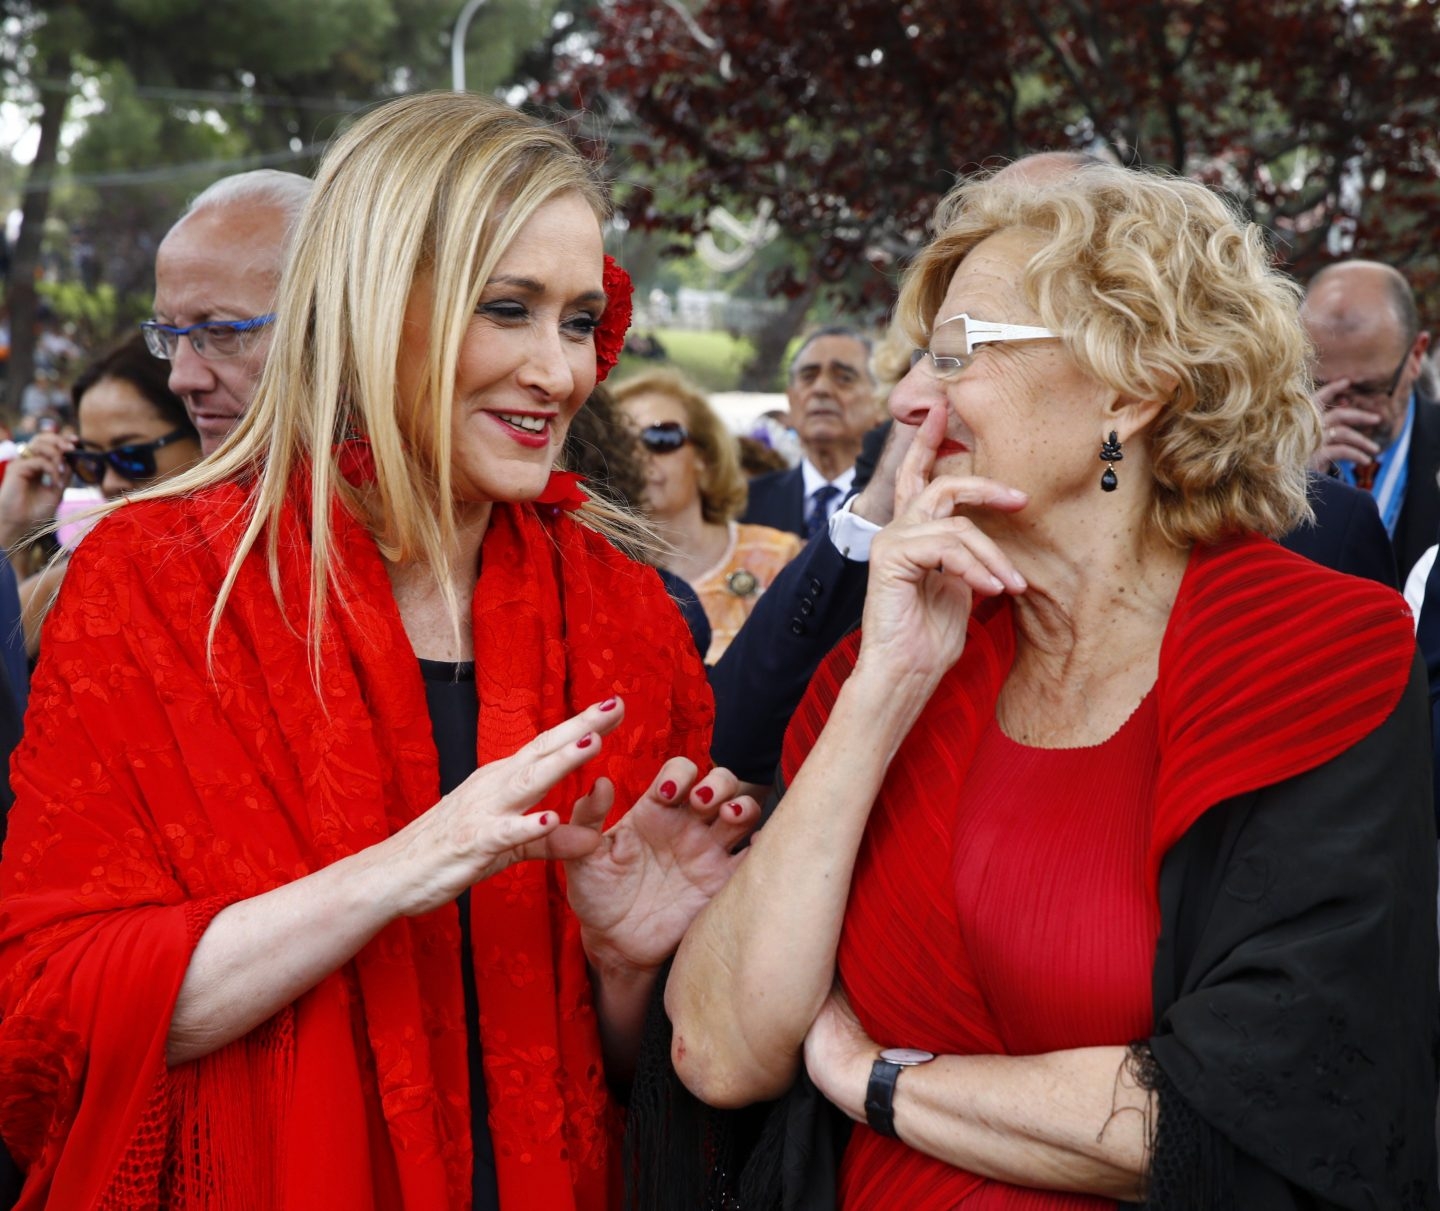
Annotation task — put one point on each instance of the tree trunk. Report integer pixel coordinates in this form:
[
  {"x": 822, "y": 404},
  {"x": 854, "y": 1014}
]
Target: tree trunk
[
  {"x": 21, "y": 298},
  {"x": 766, "y": 370}
]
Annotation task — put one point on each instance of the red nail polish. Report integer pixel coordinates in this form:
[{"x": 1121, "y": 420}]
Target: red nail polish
[
  {"x": 704, "y": 794},
  {"x": 585, "y": 742},
  {"x": 736, "y": 809},
  {"x": 609, "y": 704},
  {"x": 668, "y": 789}
]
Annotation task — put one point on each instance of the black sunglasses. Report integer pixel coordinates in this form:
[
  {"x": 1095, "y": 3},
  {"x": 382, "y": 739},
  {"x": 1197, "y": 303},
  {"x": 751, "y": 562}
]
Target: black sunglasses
[
  {"x": 135, "y": 463},
  {"x": 665, "y": 437}
]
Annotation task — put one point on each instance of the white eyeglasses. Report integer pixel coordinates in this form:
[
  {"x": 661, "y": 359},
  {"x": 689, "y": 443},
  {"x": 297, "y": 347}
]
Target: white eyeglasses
[{"x": 951, "y": 351}]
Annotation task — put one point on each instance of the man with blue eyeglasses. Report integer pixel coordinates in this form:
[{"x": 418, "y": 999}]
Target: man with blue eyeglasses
[
  {"x": 216, "y": 274},
  {"x": 1381, "y": 433}
]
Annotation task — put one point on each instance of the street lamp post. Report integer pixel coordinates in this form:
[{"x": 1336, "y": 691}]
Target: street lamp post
[{"x": 457, "y": 44}]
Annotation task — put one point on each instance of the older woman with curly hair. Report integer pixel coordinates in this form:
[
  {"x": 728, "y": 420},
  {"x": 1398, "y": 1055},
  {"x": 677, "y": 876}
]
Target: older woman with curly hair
[
  {"x": 1106, "y": 858},
  {"x": 694, "y": 491}
]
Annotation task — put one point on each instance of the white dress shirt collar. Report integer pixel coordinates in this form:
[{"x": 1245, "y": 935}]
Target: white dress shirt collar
[{"x": 814, "y": 481}]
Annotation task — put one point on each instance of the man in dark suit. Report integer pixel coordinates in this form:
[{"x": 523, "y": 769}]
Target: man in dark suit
[
  {"x": 1347, "y": 533},
  {"x": 832, "y": 406},
  {"x": 1382, "y": 433},
  {"x": 817, "y": 597},
  {"x": 1427, "y": 636}
]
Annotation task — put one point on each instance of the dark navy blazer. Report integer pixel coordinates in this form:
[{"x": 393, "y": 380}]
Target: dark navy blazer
[
  {"x": 777, "y": 500},
  {"x": 1419, "y": 519},
  {"x": 1428, "y": 637}
]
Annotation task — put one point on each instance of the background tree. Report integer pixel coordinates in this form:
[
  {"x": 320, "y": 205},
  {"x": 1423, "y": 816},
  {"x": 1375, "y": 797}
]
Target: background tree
[
  {"x": 1318, "y": 116},
  {"x": 191, "y": 90}
]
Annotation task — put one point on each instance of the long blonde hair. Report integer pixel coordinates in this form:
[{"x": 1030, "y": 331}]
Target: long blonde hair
[{"x": 435, "y": 184}]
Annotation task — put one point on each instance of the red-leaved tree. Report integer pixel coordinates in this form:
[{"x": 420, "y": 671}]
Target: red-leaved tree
[{"x": 852, "y": 118}]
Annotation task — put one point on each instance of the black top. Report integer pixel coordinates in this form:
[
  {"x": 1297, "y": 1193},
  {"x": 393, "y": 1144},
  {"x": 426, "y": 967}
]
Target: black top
[
  {"x": 1347, "y": 533},
  {"x": 455, "y": 722}
]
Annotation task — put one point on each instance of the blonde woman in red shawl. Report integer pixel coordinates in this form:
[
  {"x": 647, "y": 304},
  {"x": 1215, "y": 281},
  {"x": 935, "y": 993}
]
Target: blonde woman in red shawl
[{"x": 269, "y": 936}]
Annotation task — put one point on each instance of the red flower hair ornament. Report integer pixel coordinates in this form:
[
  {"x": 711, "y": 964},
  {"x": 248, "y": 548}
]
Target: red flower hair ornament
[
  {"x": 610, "y": 333},
  {"x": 563, "y": 492}
]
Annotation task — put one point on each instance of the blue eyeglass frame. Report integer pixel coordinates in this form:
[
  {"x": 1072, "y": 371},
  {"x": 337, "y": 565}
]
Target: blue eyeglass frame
[{"x": 158, "y": 347}]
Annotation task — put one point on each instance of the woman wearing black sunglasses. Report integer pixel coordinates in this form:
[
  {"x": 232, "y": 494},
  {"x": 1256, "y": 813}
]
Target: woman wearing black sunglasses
[
  {"x": 694, "y": 490},
  {"x": 133, "y": 430}
]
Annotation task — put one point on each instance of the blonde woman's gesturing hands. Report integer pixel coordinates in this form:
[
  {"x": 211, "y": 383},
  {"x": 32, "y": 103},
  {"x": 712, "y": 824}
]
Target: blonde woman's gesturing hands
[
  {"x": 485, "y": 824},
  {"x": 650, "y": 875}
]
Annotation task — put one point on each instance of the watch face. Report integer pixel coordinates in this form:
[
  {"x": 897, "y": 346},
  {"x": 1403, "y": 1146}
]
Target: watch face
[{"x": 906, "y": 1057}]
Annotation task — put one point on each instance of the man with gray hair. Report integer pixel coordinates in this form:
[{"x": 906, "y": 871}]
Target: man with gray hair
[
  {"x": 832, "y": 407},
  {"x": 216, "y": 274}
]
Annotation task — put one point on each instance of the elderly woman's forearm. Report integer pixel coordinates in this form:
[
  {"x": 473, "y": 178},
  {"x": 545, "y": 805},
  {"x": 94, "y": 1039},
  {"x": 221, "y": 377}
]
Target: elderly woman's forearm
[
  {"x": 769, "y": 938},
  {"x": 1070, "y": 1120}
]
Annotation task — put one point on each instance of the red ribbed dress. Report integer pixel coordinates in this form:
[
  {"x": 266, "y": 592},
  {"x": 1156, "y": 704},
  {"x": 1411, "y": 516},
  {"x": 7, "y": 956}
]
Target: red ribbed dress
[
  {"x": 1051, "y": 940},
  {"x": 1058, "y": 924}
]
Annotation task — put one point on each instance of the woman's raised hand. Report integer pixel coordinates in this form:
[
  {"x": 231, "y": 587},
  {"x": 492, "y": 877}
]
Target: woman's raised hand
[
  {"x": 33, "y": 486},
  {"x": 640, "y": 885},
  {"x": 482, "y": 826},
  {"x": 927, "y": 565}
]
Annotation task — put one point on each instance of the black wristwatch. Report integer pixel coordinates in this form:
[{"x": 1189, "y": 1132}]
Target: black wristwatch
[{"x": 880, "y": 1093}]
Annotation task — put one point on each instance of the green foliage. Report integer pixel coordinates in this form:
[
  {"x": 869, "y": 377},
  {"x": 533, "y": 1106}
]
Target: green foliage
[
  {"x": 129, "y": 177},
  {"x": 500, "y": 33},
  {"x": 191, "y": 91},
  {"x": 192, "y": 42},
  {"x": 98, "y": 317},
  {"x": 135, "y": 133}
]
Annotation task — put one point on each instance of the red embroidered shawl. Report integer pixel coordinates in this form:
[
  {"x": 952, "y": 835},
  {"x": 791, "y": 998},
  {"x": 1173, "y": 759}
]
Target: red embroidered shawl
[
  {"x": 1270, "y": 666},
  {"x": 151, "y": 794}
]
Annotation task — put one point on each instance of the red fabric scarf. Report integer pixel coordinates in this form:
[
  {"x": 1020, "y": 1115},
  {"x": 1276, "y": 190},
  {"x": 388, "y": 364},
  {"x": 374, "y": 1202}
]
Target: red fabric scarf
[
  {"x": 1270, "y": 666},
  {"x": 151, "y": 794}
]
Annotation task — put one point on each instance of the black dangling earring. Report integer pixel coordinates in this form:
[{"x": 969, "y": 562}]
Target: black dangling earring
[{"x": 1110, "y": 453}]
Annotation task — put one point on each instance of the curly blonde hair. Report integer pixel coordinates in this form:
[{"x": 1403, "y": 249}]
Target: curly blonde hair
[
  {"x": 723, "y": 490},
  {"x": 1159, "y": 291}
]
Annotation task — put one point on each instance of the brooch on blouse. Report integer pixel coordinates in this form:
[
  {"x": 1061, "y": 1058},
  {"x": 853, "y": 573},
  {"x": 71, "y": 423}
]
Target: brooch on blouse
[{"x": 742, "y": 583}]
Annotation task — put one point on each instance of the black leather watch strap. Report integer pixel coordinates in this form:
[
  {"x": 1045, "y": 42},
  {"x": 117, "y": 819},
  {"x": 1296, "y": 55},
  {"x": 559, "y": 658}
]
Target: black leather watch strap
[
  {"x": 880, "y": 1097},
  {"x": 880, "y": 1092}
]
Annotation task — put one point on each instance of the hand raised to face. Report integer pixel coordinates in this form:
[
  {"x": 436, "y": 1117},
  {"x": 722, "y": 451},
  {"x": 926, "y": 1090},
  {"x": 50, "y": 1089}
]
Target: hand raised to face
[{"x": 926, "y": 566}]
